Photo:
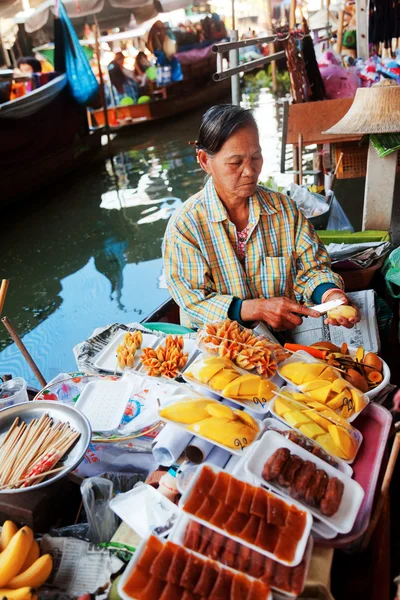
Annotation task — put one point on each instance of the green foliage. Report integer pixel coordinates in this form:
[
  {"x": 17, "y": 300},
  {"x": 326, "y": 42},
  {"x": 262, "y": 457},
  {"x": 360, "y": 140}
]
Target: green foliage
[{"x": 263, "y": 79}]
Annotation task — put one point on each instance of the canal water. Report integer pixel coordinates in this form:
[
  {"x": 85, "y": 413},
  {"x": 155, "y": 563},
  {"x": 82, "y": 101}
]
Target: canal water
[{"x": 87, "y": 252}]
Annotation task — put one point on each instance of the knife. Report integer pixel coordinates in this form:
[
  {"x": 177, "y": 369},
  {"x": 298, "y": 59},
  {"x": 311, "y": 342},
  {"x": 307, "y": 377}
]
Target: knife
[{"x": 323, "y": 308}]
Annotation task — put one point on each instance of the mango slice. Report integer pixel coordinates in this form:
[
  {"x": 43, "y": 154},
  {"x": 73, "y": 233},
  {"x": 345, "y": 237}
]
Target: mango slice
[
  {"x": 283, "y": 406},
  {"x": 313, "y": 385},
  {"x": 207, "y": 372},
  {"x": 329, "y": 374},
  {"x": 342, "y": 439},
  {"x": 220, "y": 411},
  {"x": 358, "y": 399},
  {"x": 246, "y": 419},
  {"x": 321, "y": 394},
  {"x": 329, "y": 445},
  {"x": 296, "y": 418},
  {"x": 339, "y": 385},
  {"x": 266, "y": 390},
  {"x": 313, "y": 371},
  {"x": 322, "y": 422},
  {"x": 226, "y": 432},
  {"x": 339, "y": 400},
  {"x": 222, "y": 378},
  {"x": 311, "y": 430},
  {"x": 244, "y": 387},
  {"x": 189, "y": 411},
  {"x": 295, "y": 372}
]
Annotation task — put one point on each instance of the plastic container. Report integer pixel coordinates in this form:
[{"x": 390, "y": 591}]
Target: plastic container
[
  {"x": 104, "y": 403},
  {"x": 343, "y": 520},
  {"x": 374, "y": 423},
  {"x": 106, "y": 360},
  {"x": 177, "y": 536},
  {"x": 302, "y": 356},
  {"x": 187, "y": 554},
  {"x": 145, "y": 510},
  {"x": 241, "y": 443},
  {"x": 301, "y": 546},
  {"x": 13, "y": 392},
  {"x": 356, "y": 435},
  {"x": 277, "y": 423}
]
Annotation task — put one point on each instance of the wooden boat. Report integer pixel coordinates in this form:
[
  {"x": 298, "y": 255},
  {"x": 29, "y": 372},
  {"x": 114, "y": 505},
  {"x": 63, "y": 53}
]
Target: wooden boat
[{"x": 196, "y": 89}]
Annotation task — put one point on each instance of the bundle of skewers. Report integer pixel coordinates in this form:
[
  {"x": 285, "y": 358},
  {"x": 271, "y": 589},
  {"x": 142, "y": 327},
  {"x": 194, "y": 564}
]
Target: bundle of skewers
[{"x": 29, "y": 453}]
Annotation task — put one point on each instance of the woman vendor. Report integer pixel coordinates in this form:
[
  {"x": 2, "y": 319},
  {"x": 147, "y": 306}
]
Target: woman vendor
[{"x": 238, "y": 250}]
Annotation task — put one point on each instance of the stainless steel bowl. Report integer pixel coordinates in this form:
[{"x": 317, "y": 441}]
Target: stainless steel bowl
[{"x": 27, "y": 411}]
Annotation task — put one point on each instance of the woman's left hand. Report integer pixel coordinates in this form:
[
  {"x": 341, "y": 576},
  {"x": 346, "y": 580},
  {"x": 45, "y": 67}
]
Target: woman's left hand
[{"x": 343, "y": 321}]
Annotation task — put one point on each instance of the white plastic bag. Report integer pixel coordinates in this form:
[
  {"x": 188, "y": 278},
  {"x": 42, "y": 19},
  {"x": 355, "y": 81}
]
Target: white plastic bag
[
  {"x": 338, "y": 220},
  {"x": 309, "y": 204}
]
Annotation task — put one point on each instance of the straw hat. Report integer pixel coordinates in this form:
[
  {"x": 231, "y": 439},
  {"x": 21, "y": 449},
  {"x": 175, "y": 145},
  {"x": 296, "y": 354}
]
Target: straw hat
[{"x": 374, "y": 110}]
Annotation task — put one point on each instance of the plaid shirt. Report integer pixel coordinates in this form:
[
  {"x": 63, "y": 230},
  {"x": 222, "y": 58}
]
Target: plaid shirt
[{"x": 284, "y": 256}]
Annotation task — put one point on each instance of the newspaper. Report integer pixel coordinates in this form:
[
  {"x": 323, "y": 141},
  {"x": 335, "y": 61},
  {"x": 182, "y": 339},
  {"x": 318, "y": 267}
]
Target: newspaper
[
  {"x": 79, "y": 567},
  {"x": 365, "y": 333}
]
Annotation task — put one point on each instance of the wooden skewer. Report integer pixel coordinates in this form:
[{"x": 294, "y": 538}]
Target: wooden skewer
[
  {"x": 3, "y": 292},
  {"x": 24, "y": 480}
]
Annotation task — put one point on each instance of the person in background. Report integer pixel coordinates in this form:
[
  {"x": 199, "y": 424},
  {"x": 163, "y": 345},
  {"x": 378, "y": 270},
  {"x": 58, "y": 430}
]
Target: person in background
[
  {"x": 123, "y": 85},
  {"x": 28, "y": 65},
  {"x": 142, "y": 63},
  {"x": 236, "y": 249}
]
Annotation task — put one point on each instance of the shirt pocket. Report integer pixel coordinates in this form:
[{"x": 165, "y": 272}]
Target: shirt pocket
[{"x": 277, "y": 276}]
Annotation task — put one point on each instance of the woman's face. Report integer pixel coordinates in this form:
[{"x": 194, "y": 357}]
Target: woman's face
[
  {"x": 236, "y": 167},
  {"x": 25, "y": 69}
]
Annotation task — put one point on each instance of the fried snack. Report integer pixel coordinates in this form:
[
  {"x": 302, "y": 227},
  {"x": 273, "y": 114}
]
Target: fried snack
[
  {"x": 302, "y": 480},
  {"x": 317, "y": 488},
  {"x": 288, "y": 473},
  {"x": 166, "y": 360},
  {"x": 275, "y": 464},
  {"x": 126, "y": 351},
  {"x": 332, "y": 498}
]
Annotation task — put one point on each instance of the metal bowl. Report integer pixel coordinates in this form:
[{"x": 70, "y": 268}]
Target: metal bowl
[{"x": 27, "y": 411}]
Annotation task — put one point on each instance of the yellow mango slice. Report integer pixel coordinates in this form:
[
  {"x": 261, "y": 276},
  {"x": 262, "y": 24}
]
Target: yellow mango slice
[
  {"x": 188, "y": 411},
  {"x": 207, "y": 372},
  {"x": 313, "y": 371},
  {"x": 295, "y": 418},
  {"x": 282, "y": 406},
  {"x": 219, "y": 410},
  {"x": 316, "y": 405},
  {"x": 266, "y": 390},
  {"x": 218, "y": 360},
  {"x": 299, "y": 397},
  {"x": 311, "y": 430},
  {"x": 329, "y": 374},
  {"x": 329, "y": 445},
  {"x": 246, "y": 419},
  {"x": 226, "y": 432},
  {"x": 342, "y": 439},
  {"x": 339, "y": 400},
  {"x": 312, "y": 385},
  {"x": 358, "y": 399},
  {"x": 332, "y": 416},
  {"x": 222, "y": 378},
  {"x": 317, "y": 418},
  {"x": 321, "y": 394},
  {"x": 339, "y": 385},
  {"x": 245, "y": 387},
  {"x": 295, "y": 371}
]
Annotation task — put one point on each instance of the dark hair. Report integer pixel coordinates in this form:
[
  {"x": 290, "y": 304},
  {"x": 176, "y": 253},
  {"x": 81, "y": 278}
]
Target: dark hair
[
  {"x": 32, "y": 62},
  {"x": 117, "y": 76},
  {"x": 219, "y": 123}
]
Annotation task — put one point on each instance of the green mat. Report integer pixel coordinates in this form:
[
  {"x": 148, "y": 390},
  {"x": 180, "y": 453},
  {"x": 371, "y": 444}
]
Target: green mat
[
  {"x": 169, "y": 328},
  {"x": 358, "y": 237}
]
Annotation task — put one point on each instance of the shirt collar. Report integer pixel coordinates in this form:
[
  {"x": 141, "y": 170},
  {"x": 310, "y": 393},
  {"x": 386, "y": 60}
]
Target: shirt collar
[{"x": 261, "y": 203}]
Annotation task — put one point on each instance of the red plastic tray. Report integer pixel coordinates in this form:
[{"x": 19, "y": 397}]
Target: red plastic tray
[{"x": 374, "y": 423}]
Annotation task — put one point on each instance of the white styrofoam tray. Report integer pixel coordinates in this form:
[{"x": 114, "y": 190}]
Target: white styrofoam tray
[
  {"x": 302, "y": 356},
  {"x": 137, "y": 555},
  {"x": 145, "y": 510},
  {"x": 353, "y": 493},
  {"x": 241, "y": 447},
  {"x": 256, "y": 406},
  {"x": 301, "y": 544},
  {"x": 103, "y": 402},
  {"x": 106, "y": 360}
]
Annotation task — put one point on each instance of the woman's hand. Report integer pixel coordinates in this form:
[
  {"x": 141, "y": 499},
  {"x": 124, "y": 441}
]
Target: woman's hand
[
  {"x": 280, "y": 313},
  {"x": 342, "y": 321}
]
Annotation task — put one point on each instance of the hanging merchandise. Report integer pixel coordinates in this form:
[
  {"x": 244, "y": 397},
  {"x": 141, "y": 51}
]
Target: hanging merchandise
[
  {"x": 384, "y": 21},
  {"x": 81, "y": 79},
  {"x": 311, "y": 65}
]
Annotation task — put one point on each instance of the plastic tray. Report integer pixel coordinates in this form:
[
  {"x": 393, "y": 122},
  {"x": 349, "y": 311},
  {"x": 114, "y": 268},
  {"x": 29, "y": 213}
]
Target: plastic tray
[
  {"x": 302, "y": 356},
  {"x": 106, "y": 360},
  {"x": 189, "y": 347},
  {"x": 301, "y": 546},
  {"x": 104, "y": 402},
  {"x": 374, "y": 423},
  {"x": 177, "y": 536},
  {"x": 145, "y": 510},
  {"x": 357, "y": 434},
  {"x": 135, "y": 558},
  {"x": 280, "y": 423},
  {"x": 240, "y": 449},
  {"x": 353, "y": 493}
]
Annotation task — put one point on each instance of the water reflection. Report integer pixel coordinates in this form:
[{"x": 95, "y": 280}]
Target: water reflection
[{"x": 87, "y": 253}]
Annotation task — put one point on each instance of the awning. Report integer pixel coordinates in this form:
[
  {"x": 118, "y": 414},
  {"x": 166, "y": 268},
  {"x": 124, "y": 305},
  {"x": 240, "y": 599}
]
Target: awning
[{"x": 116, "y": 11}]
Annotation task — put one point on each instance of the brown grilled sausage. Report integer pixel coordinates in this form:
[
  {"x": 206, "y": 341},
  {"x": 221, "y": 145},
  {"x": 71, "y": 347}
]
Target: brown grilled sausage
[
  {"x": 275, "y": 464},
  {"x": 289, "y": 471},
  {"x": 316, "y": 488},
  {"x": 302, "y": 480},
  {"x": 332, "y": 498}
]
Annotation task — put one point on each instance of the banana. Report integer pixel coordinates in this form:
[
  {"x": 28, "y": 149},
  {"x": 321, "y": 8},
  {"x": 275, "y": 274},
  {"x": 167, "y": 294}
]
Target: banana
[
  {"x": 8, "y": 530},
  {"x": 35, "y": 576},
  {"x": 25, "y": 593},
  {"x": 33, "y": 555},
  {"x": 14, "y": 556}
]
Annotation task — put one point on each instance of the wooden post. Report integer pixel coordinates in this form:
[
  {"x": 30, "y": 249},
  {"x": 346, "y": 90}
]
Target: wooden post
[
  {"x": 379, "y": 190},
  {"x": 340, "y": 31},
  {"x": 285, "y": 124},
  {"x": 272, "y": 45},
  {"x": 362, "y": 17},
  {"x": 300, "y": 151},
  {"x": 327, "y": 23},
  {"x": 292, "y": 15},
  {"x": 102, "y": 91}
]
